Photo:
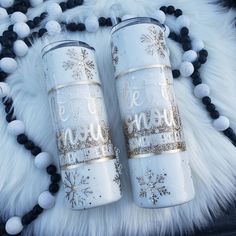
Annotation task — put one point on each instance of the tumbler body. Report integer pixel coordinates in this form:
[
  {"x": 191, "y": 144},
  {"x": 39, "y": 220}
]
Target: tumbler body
[
  {"x": 88, "y": 165},
  {"x": 158, "y": 162}
]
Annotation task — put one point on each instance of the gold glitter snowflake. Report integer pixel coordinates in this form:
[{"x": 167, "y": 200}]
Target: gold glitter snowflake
[
  {"x": 151, "y": 186},
  {"x": 79, "y": 64},
  {"x": 155, "y": 41}
]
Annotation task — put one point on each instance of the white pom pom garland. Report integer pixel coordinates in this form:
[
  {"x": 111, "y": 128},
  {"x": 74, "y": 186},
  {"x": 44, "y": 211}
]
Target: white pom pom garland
[
  {"x": 3, "y": 14},
  {"x": 222, "y": 123},
  {"x": 197, "y": 45},
  {"x": 18, "y": 17},
  {"x": 20, "y": 48},
  {"x": 22, "y": 29},
  {"x": 43, "y": 160},
  {"x": 16, "y": 127},
  {"x": 160, "y": 16},
  {"x": 54, "y": 10},
  {"x": 189, "y": 56},
  {"x": 46, "y": 200},
  {"x": 6, "y": 3},
  {"x": 183, "y": 21},
  {"x": 14, "y": 225},
  {"x": 53, "y": 27},
  {"x": 8, "y": 65},
  {"x": 201, "y": 90},
  {"x": 186, "y": 69},
  {"x": 91, "y": 24},
  {"x": 4, "y": 90}
]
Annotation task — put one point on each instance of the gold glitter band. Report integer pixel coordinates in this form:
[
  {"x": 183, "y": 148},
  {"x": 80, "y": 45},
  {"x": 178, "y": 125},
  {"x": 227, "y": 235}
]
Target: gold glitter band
[
  {"x": 162, "y": 66},
  {"x": 94, "y": 161},
  {"x": 82, "y": 82}
]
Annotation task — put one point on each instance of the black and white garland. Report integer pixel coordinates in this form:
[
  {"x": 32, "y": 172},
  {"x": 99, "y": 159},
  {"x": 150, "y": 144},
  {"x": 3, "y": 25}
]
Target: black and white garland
[{"x": 15, "y": 42}]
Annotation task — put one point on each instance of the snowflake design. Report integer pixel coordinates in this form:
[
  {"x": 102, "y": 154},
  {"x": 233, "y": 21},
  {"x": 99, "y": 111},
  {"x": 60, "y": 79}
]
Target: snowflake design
[
  {"x": 76, "y": 188},
  {"x": 155, "y": 41},
  {"x": 151, "y": 186},
  {"x": 79, "y": 64},
  {"x": 118, "y": 168},
  {"x": 114, "y": 53}
]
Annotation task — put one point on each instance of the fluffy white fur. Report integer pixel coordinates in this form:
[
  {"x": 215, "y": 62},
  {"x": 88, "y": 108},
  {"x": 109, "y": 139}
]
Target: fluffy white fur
[{"x": 213, "y": 157}]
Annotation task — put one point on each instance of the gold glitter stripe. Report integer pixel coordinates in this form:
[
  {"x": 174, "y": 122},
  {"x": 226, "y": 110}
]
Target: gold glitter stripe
[
  {"x": 89, "y": 162},
  {"x": 82, "y": 82},
  {"x": 162, "y": 66},
  {"x": 144, "y": 155}
]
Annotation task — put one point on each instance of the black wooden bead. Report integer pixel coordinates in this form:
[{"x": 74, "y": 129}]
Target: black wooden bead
[
  {"x": 22, "y": 139},
  {"x": 51, "y": 169},
  {"x": 7, "y": 52},
  {"x": 28, "y": 43},
  {"x": 170, "y": 10},
  {"x": 22, "y": 9},
  {"x": 215, "y": 114},
  {"x": 81, "y": 27},
  {"x": 202, "y": 59},
  {"x": 10, "y": 35},
  {"x": 9, "y": 109},
  {"x": 26, "y": 219},
  {"x": 79, "y": 2},
  {"x": 102, "y": 21},
  {"x": 195, "y": 74},
  {"x": 210, "y": 107},
  {"x": 31, "y": 24},
  {"x": 203, "y": 52},
  {"x": 7, "y": 101},
  {"x": 178, "y": 12},
  {"x": 63, "y": 6},
  {"x": 43, "y": 15},
  {"x": 173, "y": 35},
  {"x": 187, "y": 46},
  {"x": 108, "y": 21},
  {"x": 206, "y": 100},
  {"x": 164, "y": 9},
  {"x": 185, "y": 39},
  {"x": 10, "y": 10},
  {"x": 53, "y": 188},
  {"x": 3, "y": 76},
  {"x": 10, "y": 27},
  {"x": 55, "y": 178},
  {"x": 34, "y": 35},
  {"x": 118, "y": 19},
  {"x": 197, "y": 81},
  {"x": 197, "y": 65},
  {"x": 37, "y": 20},
  {"x": 29, "y": 145},
  {"x": 176, "y": 73},
  {"x": 37, "y": 209},
  {"x": 10, "y": 117},
  {"x": 184, "y": 31},
  {"x": 42, "y": 31},
  {"x": 72, "y": 26},
  {"x": 70, "y": 4},
  {"x": 229, "y": 131},
  {"x": 36, "y": 150}
]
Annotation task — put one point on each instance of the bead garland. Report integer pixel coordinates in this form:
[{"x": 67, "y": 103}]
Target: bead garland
[{"x": 17, "y": 39}]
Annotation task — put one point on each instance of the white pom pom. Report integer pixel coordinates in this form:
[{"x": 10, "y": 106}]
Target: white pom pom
[
  {"x": 18, "y": 17},
  {"x": 14, "y": 225},
  {"x": 3, "y": 14},
  {"x": 54, "y": 10},
  {"x": 35, "y": 3},
  {"x": 190, "y": 56},
  {"x": 16, "y": 127},
  {"x": 22, "y": 29},
  {"x": 201, "y": 90},
  {"x": 221, "y": 124},
  {"x": 160, "y": 16},
  {"x": 42, "y": 160},
  {"x": 53, "y": 27},
  {"x": 20, "y": 48},
  {"x": 91, "y": 24},
  {"x": 126, "y": 17},
  {"x": 197, "y": 45},
  {"x": 4, "y": 90},
  {"x": 183, "y": 21},
  {"x": 186, "y": 69},
  {"x": 46, "y": 200},
  {"x": 167, "y": 31},
  {"x": 6, "y": 3},
  {"x": 8, "y": 65}
]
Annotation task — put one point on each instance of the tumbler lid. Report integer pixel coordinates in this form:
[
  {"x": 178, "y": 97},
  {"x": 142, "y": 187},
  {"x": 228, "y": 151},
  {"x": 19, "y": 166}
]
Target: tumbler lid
[
  {"x": 64, "y": 43},
  {"x": 134, "y": 21}
]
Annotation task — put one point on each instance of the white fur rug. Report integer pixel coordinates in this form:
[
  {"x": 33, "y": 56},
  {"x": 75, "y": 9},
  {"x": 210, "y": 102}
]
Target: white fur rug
[{"x": 213, "y": 157}]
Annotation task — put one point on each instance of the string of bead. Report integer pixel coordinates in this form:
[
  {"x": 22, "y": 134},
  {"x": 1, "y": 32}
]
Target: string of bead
[{"x": 15, "y": 43}]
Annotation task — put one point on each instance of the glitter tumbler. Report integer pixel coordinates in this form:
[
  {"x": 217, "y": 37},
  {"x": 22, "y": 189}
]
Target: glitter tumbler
[
  {"x": 158, "y": 161},
  {"x": 89, "y": 168}
]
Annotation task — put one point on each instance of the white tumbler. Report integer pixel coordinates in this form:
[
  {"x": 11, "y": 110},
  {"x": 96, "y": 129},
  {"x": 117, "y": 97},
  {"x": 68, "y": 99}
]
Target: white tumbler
[
  {"x": 158, "y": 162},
  {"x": 88, "y": 165}
]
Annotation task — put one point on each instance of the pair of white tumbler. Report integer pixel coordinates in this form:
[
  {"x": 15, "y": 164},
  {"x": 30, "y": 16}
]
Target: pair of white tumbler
[{"x": 159, "y": 168}]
